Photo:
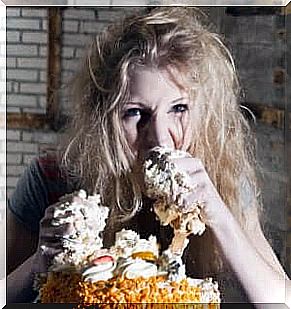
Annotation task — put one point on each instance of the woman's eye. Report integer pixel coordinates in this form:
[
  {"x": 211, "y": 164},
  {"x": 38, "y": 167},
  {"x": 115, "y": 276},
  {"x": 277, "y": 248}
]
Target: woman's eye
[
  {"x": 179, "y": 108},
  {"x": 132, "y": 112}
]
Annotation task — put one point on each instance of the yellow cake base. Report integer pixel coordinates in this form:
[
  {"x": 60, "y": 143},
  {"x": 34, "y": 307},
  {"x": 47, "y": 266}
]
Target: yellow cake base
[{"x": 130, "y": 293}]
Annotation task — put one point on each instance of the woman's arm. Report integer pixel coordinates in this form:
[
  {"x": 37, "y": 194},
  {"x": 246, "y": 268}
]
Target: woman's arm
[
  {"x": 257, "y": 268},
  {"x": 249, "y": 255},
  {"x": 21, "y": 243},
  {"x": 20, "y": 283}
]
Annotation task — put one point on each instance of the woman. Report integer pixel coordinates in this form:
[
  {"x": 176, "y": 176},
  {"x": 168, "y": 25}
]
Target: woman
[{"x": 156, "y": 79}]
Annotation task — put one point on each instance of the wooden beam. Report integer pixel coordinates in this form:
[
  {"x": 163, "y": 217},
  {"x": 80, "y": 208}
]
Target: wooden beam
[
  {"x": 248, "y": 11},
  {"x": 26, "y": 121},
  {"x": 271, "y": 116},
  {"x": 54, "y": 66}
]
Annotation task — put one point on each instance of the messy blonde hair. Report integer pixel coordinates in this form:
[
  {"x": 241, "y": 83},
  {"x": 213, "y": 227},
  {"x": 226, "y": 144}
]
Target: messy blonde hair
[{"x": 98, "y": 152}]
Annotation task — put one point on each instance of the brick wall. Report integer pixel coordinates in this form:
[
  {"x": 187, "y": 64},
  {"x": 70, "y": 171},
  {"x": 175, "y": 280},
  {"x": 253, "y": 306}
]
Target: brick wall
[
  {"x": 26, "y": 85},
  {"x": 79, "y": 27},
  {"x": 27, "y": 72},
  {"x": 26, "y": 60}
]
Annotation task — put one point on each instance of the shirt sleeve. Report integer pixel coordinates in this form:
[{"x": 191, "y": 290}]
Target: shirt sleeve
[{"x": 30, "y": 198}]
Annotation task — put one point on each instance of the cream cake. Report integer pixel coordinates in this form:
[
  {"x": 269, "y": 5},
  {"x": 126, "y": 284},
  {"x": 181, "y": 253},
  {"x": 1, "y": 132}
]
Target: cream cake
[{"x": 133, "y": 270}]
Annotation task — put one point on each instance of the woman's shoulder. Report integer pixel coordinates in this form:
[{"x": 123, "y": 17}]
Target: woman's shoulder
[{"x": 42, "y": 184}]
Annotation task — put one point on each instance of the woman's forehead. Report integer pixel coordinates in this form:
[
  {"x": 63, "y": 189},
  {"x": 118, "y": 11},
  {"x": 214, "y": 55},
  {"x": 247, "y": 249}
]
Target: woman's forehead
[{"x": 148, "y": 82}]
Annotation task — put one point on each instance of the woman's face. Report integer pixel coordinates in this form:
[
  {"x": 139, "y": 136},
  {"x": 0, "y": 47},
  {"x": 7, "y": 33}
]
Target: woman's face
[{"x": 157, "y": 113}]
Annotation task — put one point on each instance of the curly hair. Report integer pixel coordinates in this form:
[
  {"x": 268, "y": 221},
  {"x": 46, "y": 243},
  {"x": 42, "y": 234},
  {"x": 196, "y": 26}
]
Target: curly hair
[{"x": 97, "y": 151}]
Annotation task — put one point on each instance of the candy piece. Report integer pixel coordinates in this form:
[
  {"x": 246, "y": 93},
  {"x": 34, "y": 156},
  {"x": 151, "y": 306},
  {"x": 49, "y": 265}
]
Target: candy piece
[
  {"x": 103, "y": 259},
  {"x": 144, "y": 255}
]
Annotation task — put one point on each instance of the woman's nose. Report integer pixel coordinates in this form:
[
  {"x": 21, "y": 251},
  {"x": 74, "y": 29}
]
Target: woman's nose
[{"x": 158, "y": 133}]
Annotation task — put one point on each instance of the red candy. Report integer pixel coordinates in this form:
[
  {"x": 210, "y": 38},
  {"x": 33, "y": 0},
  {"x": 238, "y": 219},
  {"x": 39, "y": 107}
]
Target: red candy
[{"x": 102, "y": 259}]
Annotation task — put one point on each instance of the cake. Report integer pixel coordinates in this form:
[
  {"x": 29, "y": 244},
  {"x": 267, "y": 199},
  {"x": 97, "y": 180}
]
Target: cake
[
  {"x": 165, "y": 183},
  {"x": 133, "y": 270}
]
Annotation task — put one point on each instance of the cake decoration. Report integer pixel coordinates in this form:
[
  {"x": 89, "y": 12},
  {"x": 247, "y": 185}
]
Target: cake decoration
[
  {"x": 133, "y": 270},
  {"x": 165, "y": 183}
]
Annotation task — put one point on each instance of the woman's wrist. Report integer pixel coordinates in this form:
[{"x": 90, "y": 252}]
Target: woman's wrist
[{"x": 221, "y": 219}]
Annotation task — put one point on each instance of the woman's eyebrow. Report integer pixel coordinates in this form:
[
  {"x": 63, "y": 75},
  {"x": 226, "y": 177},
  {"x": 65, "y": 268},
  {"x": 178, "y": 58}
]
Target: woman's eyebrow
[
  {"x": 178, "y": 100},
  {"x": 135, "y": 103}
]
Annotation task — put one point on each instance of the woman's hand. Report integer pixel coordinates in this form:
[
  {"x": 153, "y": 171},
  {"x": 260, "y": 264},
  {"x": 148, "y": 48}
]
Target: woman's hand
[
  {"x": 203, "y": 192},
  {"x": 51, "y": 235}
]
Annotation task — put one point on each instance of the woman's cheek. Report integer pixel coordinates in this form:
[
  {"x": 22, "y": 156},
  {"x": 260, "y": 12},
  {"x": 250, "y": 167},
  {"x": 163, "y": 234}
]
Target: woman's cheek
[
  {"x": 177, "y": 131},
  {"x": 130, "y": 131}
]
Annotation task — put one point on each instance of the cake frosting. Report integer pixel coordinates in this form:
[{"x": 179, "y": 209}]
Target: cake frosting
[
  {"x": 133, "y": 270},
  {"x": 88, "y": 219},
  {"x": 167, "y": 184},
  {"x": 123, "y": 272}
]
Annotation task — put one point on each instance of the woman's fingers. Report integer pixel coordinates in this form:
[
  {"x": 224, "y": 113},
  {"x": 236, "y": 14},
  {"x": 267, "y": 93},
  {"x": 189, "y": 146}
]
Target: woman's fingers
[
  {"x": 62, "y": 229},
  {"x": 203, "y": 192},
  {"x": 189, "y": 165},
  {"x": 50, "y": 251}
]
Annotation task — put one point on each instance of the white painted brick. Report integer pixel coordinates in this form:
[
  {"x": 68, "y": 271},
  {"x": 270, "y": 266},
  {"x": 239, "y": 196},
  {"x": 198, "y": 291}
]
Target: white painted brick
[
  {"x": 80, "y": 52},
  {"x": 92, "y": 27},
  {"x": 71, "y": 13},
  {"x": 70, "y": 26},
  {"x": 21, "y": 100},
  {"x": 11, "y": 109},
  {"x": 36, "y": 63},
  {"x": 15, "y": 87},
  {"x": 34, "y": 110},
  {"x": 67, "y": 76},
  {"x": 34, "y": 37},
  {"x": 40, "y": 137},
  {"x": 70, "y": 65},
  {"x": 15, "y": 158},
  {"x": 11, "y": 62},
  {"x": 13, "y": 36},
  {"x": 68, "y": 52},
  {"x": 15, "y": 170},
  {"x": 21, "y": 23},
  {"x": 9, "y": 87},
  {"x": 13, "y": 135},
  {"x": 30, "y": 12},
  {"x": 27, "y": 136},
  {"x": 22, "y": 147},
  {"x": 76, "y": 39},
  {"x": 12, "y": 12},
  {"x": 21, "y": 50},
  {"x": 42, "y": 102},
  {"x": 109, "y": 14},
  {"x": 11, "y": 182},
  {"x": 44, "y": 24},
  {"x": 27, "y": 159},
  {"x": 36, "y": 88},
  {"x": 22, "y": 75},
  {"x": 43, "y": 51},
  {"x": 43, "y": 76}
]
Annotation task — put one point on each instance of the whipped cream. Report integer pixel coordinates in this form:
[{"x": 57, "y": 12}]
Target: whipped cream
[
  {"x": 167, "y": 184},
  {"x": 88, "y": 219},
  {"x": 162, "y": 178},
  {"x": 209, "y": 289}
]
